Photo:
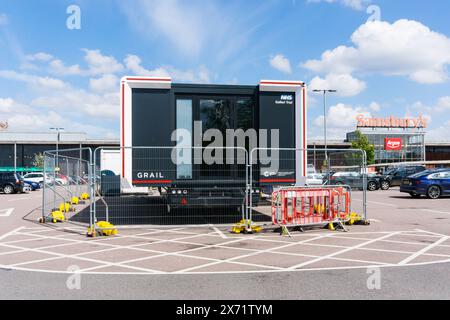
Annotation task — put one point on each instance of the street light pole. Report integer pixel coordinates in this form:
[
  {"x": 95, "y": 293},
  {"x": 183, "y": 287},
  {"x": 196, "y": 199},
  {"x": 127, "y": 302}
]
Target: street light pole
[
  {"x": 58, "y": 136},
  {"x": 324, "y": 92}
]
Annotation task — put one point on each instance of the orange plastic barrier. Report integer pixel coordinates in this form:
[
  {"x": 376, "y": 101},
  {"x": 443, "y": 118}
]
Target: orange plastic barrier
[{"x": 299, "y": 206}]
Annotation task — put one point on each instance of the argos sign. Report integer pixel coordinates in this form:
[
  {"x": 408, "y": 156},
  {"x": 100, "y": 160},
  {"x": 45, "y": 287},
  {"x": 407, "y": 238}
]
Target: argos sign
[{"x": 393, "y": 144}]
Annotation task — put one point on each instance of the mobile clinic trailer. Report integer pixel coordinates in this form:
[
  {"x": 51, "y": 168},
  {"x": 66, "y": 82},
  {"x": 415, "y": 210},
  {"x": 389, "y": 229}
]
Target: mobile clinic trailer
[{"x": 159, "y": 117}]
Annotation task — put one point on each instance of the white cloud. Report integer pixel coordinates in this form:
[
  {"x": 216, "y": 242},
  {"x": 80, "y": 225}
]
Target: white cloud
[
  {"x": 403, "y": 48},
  {"x": 440, "y": 133},
  {"x": 6, "y": 104},
  {"x": 106, "y": 83},
  {"x": 36, "y": 82},
  {"x": 39, "y": 56},
  {"x": 281, "y": 63},
  {"x": 202, "y": 75},
  {"x": 345, "y": 84},
  {"x": 443, "y": 104},
  {"x": 341, "y": 118},
  {"x": 354, "y": 4},
  {"x": 133, "y": 63},
  {"x": 80, "y": 102},
  {"x": 374, "y": 106},
  {"x": 58, "y": 67},
  {"x": 3, "y": 19},
  {"x": 179, "y": 22},
  {"x": 217, "y": 31},
  {"x": 101, "y": 64}
]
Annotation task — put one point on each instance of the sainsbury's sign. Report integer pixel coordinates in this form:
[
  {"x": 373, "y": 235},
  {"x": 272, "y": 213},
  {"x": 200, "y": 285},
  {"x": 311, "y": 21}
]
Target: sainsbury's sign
[
  {"x": 391, "y": 122},
  {"x": 393, "y": 144}
]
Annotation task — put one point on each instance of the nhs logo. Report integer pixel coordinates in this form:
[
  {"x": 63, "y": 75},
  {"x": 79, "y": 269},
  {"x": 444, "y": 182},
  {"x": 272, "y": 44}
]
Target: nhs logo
[{"x": 285, "y": 99}]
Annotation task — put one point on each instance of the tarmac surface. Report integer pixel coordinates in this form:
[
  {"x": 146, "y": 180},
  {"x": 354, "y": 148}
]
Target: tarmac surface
[{"x": 407, "y": 246}]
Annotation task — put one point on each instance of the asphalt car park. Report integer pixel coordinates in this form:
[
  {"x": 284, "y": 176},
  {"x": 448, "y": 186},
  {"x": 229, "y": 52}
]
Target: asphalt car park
[{"x": 405, "y": 234}]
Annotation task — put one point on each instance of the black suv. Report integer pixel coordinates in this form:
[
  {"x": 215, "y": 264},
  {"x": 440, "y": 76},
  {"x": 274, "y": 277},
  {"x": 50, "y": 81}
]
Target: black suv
[
  {"x": 355, "y": 180},
  {"x": 10, "y": 182},
  {"x": 394, "y": 176}
]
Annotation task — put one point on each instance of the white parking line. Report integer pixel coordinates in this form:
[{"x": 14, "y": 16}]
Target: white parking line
[
  {"x": 344, "y": 251},
  {"x": 252, "y": 254},
  {"x": 422, "y": 251},
  {"x": 19, "y": 199},
  {"x": 434, "y": 211},
  {"x": 221, "y": 234},
  {"x": 379, "y": 203},
  {"x": 6, "y": 212},
  {"x": 10, "y": 233}
]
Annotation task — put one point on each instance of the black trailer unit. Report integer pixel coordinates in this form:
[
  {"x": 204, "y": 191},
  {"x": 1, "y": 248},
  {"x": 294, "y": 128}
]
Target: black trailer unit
[{"x": 159, "y": 117}]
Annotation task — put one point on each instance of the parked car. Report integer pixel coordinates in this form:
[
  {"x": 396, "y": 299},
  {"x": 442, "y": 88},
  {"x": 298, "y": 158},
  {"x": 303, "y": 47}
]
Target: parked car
[
  {"x": 431, "y": 183},
  {"x": 314, "y": 179},
  {"x": 37, "y": 177},
  {"x": 59, "y": 179},
  {"x": 11, "y": 182},
  {"x": 355, "y": 180},
  {"x": 30, "y": 185},
  {"x": 395, "y": 176}
]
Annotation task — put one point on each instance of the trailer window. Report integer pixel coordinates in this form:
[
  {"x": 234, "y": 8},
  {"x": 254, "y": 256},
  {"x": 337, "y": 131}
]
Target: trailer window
[
  {"x": 215, "y": 114},
  {"x": 184, "y": 121},
  {"x": 244, "y": 113}
]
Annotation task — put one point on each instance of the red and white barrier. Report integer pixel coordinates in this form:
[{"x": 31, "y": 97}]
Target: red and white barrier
[{"x": 302, "y": 206}]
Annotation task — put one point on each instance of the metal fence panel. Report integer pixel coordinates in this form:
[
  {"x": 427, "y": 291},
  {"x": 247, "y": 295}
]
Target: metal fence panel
[
  {"x": 164, "y": 186},
  {"x": 66, "y": 186},
  {"x": 323, "y": 166}
]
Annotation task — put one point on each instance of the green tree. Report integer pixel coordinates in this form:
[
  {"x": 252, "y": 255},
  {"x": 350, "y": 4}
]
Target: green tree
[
  {"x": 362, "y": 142},
  {"x": 38, "y": 160}
]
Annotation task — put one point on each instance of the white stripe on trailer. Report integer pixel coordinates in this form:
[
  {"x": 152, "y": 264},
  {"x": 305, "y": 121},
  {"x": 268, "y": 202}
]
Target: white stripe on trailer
[{"x": 300, "y": 90}]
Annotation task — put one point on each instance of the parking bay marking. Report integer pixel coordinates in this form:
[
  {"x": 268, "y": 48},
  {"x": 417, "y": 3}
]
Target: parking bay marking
[
  {"x": 395, "y": 206},
  {"x": 19, "y": 199},
  {"x": 6, "y": 212}
]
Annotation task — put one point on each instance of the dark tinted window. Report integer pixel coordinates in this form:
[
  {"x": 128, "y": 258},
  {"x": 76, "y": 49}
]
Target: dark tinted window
[{"x": 6, "y": 155}]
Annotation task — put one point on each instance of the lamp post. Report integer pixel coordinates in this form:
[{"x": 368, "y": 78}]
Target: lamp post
[
  {"x": 58, "y": 136},
  {"x": 324, "y": 92}
]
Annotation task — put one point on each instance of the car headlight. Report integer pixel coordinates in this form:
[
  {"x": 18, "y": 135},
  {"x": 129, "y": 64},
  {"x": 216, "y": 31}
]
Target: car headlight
[{"x": 174, "y": 191}]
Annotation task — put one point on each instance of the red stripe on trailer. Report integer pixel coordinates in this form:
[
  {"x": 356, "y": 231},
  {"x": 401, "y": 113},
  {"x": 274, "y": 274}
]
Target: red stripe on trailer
[
  {"x": 151, "y": 181},
  {"x": 282, "y": 83},
  {"x": 304, "y": 132},
  {"x": 123, "y": 129},
  {"x": 149, "y": 79}
]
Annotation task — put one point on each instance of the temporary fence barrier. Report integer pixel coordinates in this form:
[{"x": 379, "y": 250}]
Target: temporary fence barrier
[
  {"x": 170, "y": 186},
  {"x": 67, "y": 186},
  {"x": 321, "y": 168},
  {"x": 210, "y": 186},
  {"x": 308, "y": 206}
]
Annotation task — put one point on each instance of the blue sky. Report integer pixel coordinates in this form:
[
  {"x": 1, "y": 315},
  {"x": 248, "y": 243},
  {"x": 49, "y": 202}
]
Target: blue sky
[{"x": 53, "y": 76}]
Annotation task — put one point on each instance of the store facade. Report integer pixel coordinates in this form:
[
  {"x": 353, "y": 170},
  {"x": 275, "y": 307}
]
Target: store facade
[{"x": 395, "y": 139}]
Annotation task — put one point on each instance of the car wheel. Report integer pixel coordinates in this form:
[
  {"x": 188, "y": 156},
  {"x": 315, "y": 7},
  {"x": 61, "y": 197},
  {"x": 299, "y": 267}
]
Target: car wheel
[
  {"x": 385, "y": 185},
  {"x": 8, "y": 189},
  {"x": 415, "y": 195},
  {"x": 372, "y": 186},
  {"x": 434, "y": 192}
]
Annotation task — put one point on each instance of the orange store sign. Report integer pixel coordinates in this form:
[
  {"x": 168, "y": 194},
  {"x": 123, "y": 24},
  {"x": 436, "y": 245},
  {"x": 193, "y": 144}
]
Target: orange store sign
[{"x": 391, "y": 122}]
